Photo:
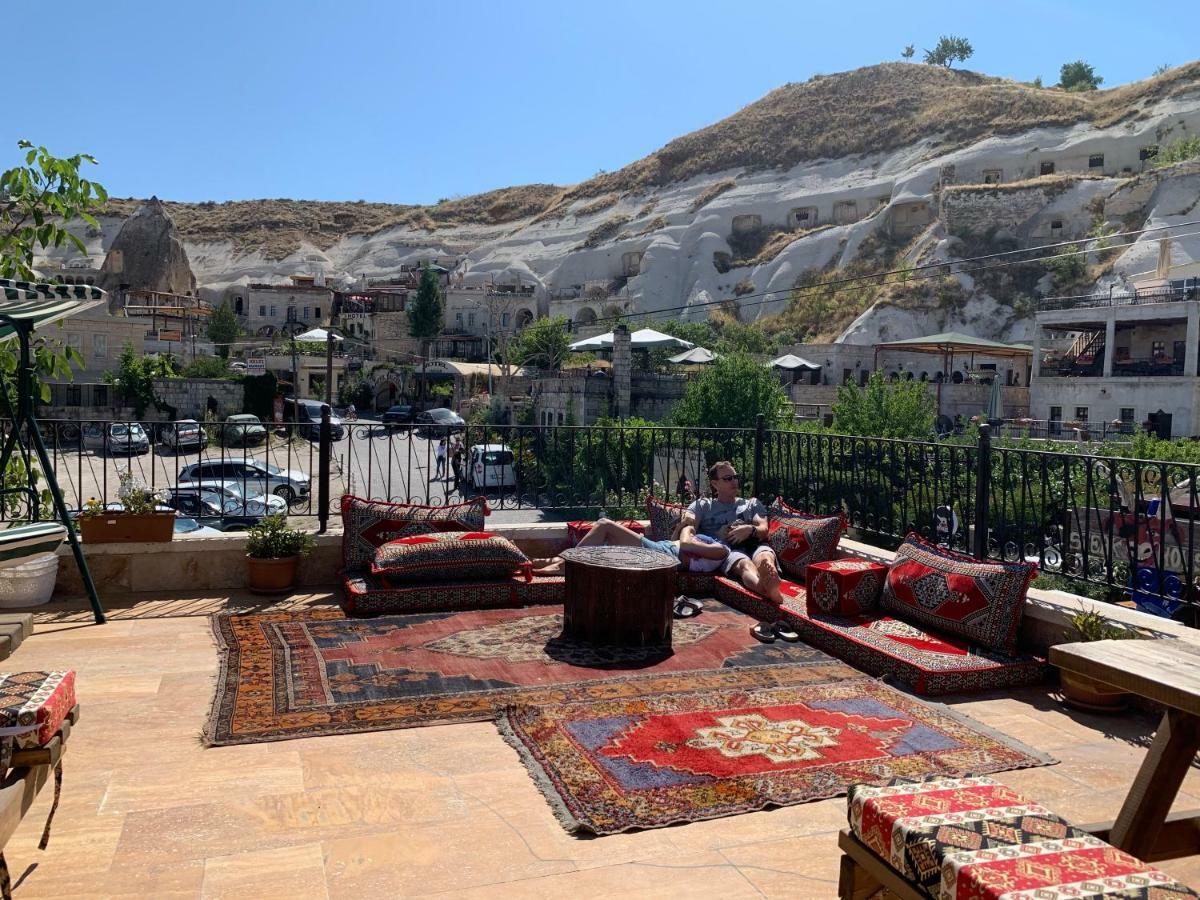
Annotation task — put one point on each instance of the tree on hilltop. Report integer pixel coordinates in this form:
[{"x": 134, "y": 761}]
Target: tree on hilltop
[
  {"x": 1078, "y": 76},
  {"x": 908, "y": 51},
  {"x": 948, "y": 49}
]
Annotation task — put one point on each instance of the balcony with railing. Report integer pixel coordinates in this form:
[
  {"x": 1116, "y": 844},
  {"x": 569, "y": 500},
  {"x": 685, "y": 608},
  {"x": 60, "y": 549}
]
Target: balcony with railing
[{"x": 1174, "y": 293}]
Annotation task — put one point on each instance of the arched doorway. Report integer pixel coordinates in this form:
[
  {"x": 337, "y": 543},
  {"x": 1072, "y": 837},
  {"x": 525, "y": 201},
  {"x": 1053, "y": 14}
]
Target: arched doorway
[
  {"x": 585, "y": 316},
  {"x": 524, "y": 318}
]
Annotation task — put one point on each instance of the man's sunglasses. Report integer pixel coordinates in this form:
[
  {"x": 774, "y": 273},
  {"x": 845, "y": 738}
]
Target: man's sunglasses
[{"x": 729, "y": 478}]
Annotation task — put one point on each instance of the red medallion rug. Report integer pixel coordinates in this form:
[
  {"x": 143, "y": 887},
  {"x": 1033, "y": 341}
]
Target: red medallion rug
[
  {"x": 612, "y": 765},
  {"x": 292, "y": 675}
]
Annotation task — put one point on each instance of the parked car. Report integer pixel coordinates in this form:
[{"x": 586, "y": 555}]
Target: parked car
[
  {"x": 211, "y": 506},
  {"x": 115, "y": 437},
  {"x": 187, "y": 527},
  {"x": 252, "y": 475},
  {"x": 236, "y": 502},
  {"x": 186, "y": 434},
  {"x": 490, "y": 466},
  {"x": 439, "y": 422},
  {"x": 307, "y": 416},
  {"x": 401, "y": 414},
  {"x": 243, "y": 430}
]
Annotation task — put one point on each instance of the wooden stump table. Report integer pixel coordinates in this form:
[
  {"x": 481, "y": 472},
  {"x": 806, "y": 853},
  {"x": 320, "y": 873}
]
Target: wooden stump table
[{"x": 619, "y": 595}]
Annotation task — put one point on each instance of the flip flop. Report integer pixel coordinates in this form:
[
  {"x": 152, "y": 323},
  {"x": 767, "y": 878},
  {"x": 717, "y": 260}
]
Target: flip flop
[
  {"x": 785, "y": 632},
  {"x": 764, "y": 633},
  {"x": 687, "y": 608}
]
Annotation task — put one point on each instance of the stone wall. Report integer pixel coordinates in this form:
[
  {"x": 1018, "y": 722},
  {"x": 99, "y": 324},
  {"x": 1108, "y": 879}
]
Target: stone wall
[
  {"x": 978, "y": 208},
  {"x": 189, "y": 396}
]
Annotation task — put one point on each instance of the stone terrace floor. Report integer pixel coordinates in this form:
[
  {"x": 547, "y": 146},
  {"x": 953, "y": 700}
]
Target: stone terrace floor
[{"x": 149, "y": 812}]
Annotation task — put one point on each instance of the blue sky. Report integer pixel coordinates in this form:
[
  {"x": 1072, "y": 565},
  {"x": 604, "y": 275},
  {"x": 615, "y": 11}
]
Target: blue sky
[{"x": 403, "y": 102}]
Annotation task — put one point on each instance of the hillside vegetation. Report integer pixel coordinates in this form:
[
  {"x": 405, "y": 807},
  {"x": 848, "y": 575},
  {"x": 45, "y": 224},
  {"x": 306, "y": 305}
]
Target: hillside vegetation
[{"x": 868, "y": 110}]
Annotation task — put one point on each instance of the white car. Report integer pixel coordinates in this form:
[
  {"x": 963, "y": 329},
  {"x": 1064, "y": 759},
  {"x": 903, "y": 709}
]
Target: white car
[
  {"x": 490, "y": 466},
  {"x": 237, "y": 503},
  {"x": 252, "y": 475}
]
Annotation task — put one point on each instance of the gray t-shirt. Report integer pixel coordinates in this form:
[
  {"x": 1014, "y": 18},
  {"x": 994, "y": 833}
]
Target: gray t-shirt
[{"x": 712, "y": 515}]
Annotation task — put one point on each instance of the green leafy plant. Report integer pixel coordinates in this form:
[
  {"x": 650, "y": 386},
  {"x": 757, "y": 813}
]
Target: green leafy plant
[
  {"x": 223, "y": 328},
  {"x": 135, "y": 376},
  {"x": 730, "y": 393},
  {"x": 425, "y": 311},
  {"x": 1078, "y": 76},
  {"x": 136, "y": 499},
  {"x": 908, "y": 51},
  {"x": 1178, "y": 151},
  {"x": 274, "y": 538},
  {"x": 948, "y": 49},
  {"x": 543, "y": 343},
  {"x": 901, "y": 409},
  {"x": 1091, "y": 625}
]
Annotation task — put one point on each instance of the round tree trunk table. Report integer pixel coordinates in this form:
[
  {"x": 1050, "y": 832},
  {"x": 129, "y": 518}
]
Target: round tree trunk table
[{"x": 619, "y": 596}]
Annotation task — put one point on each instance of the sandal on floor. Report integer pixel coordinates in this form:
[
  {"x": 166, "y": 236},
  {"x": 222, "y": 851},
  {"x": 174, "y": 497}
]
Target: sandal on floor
[
  {"x": 687, "y": 607},
  {"x": 764, "y": 633},
  {"x": 785, "y": 632}
]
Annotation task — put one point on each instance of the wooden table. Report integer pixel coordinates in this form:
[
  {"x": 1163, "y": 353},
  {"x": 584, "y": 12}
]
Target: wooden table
[
  {"x": 619, "y": 596},
  {"x": 1166, "y": 671}
]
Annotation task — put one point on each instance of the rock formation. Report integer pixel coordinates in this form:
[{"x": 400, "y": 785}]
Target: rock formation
[{"x": 147, "y": 254}]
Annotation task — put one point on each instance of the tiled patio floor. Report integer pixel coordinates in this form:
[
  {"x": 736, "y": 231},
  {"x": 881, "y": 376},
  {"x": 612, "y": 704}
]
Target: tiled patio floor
[{"x": 148, "y": 812}]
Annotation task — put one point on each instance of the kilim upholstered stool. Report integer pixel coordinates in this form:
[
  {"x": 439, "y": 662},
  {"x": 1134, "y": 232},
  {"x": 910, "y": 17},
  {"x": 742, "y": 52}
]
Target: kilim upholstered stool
[
  {"x": 844, "y": 587},
  {"x": 950, "y": 838},
  {"x": 37, "y": 710}
]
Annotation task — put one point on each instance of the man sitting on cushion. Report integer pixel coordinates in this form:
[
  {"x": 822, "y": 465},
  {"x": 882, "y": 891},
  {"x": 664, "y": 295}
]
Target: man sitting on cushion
[
  {"x": 740, "y": 523},
  {"x": 699, "y": 553}
]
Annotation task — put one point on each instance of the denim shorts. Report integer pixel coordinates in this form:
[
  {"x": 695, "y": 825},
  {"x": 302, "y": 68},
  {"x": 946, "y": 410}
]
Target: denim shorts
[{"x": 667, "y": 547}]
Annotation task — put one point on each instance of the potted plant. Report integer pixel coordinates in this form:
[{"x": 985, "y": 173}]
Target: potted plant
[
  {"x": 1082, "y": 691},
  {"x": 273, "y": 551},
  {"x": 136, "y": 519}
]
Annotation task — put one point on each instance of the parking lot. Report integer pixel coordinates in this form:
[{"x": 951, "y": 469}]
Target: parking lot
[{"x": 396, "y": 464}]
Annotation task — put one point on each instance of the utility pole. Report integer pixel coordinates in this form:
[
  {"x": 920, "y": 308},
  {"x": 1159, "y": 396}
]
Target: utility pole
[
  {"x": 489, "y": 346},
  {"x": 329, "y": 367},
  {"x": 295, "y": 382}
]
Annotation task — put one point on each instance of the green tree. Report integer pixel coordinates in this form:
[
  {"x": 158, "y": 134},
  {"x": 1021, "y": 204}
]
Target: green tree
[
  {"x": 901, "y": 409},
  {"x": 1078, "y": 76},
  {"x": 207, "y": 367},
  {"x": 425, "y": 312},
  {"x": 948, "y": 49},
  {"x": 730, "y": 393},
  {"x": 908, "y": 51},
  {"x": 543, "y": 343},
  {"x": 135, "y": 375},
  {"x": 223, "y": 328}
]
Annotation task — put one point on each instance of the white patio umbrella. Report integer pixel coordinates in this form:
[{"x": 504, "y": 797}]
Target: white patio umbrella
[
  {"x": 319, "y": 335},
  {"x": 697, "y": 355},
  {"x": 791, "y": 361},
  {"x": 643, "y": 339}
]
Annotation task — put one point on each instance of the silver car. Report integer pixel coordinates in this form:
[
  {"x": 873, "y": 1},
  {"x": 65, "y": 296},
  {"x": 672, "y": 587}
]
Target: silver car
[
  {"x": 186, "y": 434},
  {"x": 235, "y": 502},
  {"x": 252, "y": 475},
  {"x": 116, "y": 437}
]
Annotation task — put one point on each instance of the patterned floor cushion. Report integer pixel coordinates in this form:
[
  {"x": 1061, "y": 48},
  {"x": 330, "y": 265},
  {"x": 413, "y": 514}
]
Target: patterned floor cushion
[
  {"x": 844, "y": 587},
  {"x": 370, "y": 595},
  {"x": 33, "y": 705},
  {"x": 973, "y": 838},
  {"x": 369, "y": 524},
  {"x": 925, "y": 662}
]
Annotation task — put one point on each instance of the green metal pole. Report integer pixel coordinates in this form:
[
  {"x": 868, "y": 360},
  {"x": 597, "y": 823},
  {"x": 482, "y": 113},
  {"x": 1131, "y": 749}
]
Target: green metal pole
[{"x": 25, "y": 413}]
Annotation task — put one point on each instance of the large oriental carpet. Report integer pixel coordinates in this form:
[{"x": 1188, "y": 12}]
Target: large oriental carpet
[
  {"x": 302, "y": 674},
  {"x": 616, "y": 764}
]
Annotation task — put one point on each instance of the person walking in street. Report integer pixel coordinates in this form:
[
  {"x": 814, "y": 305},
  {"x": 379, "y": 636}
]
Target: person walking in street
[
  {"x": 440, "y": 456},
  {"x": 456, "y": 460}
]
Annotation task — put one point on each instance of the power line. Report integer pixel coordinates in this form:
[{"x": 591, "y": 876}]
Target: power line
[{"x": 923, "y": 271}]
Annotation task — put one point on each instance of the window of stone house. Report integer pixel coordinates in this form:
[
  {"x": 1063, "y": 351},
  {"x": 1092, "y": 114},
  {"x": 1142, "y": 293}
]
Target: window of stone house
[
  {"x": 1158, "y": 348},
  {"x": 1127, "y": 415},
  {"x": 274, "y": 312},
  {"x": 1056, "y": 414},
  {"x": 1096, "y": 161},
  {"x": 74, "y": 395},
  {"x": 75, "y": 341},
  {"x": 504, "y": 320},
  {"x": 458, "y": 318},
  {"x": 847, "y": 376},
  {"x": 100, "y": 346},
  {"x": 1148, "y": 152},
  {"x": 304, "y": 313},
  {"x": 100, "y": 395},
  {"x": 993, "y": 176},
  {"x": 471, "y": 320},
  {"x": 1056, "y": 225},
  {"x": 316, "y": 312},
  {"x": 1081, "y": 414},
  {"x": 1047, "y": 168},
  {"x": 562, "y": 417},
  {"x": 262, "y": 310}
]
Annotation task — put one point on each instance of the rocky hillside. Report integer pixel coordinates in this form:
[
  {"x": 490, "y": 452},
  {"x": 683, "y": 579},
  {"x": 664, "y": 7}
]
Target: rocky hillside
[{"x": 882, "y": 167}]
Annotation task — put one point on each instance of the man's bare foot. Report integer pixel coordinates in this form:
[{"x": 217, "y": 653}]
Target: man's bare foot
[
  {"x": 769, "y": 584},
  {"x": 553, "y": 565}
]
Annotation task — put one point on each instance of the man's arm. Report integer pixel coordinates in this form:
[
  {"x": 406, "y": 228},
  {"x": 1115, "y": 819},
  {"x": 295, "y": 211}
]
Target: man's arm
[{"x": 687, "y": 525}]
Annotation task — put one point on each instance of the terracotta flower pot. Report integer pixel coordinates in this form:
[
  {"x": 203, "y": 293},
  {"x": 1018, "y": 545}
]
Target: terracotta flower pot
[
  {"x": 121, "y": 527},
  {"x": 1086, "y": 693},
  {"x": 271, "y": 576}
]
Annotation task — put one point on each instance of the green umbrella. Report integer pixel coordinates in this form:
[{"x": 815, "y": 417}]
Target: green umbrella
[{"x": 995, "y": 407}]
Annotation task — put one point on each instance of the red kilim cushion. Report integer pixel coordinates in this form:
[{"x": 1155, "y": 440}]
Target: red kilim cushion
[
  {"x": 369, "y": 524},
  {"x": 449, "y": 556},
  {"x": 33, "y": 705},
  {"x": 844, "y": 587},
  {"x": 664, "y": 517},
  {"x": 981, "y": 601},
  {"x": 800, "y": 539}
]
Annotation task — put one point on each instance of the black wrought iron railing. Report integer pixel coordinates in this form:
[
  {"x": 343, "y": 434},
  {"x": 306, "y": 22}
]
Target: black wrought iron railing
[{"x": 1119, "y": 528}]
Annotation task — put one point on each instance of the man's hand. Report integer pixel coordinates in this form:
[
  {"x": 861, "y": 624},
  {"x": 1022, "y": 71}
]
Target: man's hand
[{"x": 738, "y": 534}]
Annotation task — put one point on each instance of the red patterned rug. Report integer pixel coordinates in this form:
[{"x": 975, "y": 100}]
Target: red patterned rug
[
  {"x": 292, "y": 675},
  {"x": 613, "y": 765}
]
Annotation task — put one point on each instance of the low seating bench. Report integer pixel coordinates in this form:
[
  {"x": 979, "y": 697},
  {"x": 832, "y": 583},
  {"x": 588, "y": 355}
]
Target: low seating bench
[
  {"x": 949, "y": 838},
  {"x": 926, "y": 662}
]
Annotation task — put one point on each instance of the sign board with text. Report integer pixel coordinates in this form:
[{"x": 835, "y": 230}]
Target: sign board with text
[
  {"x": 256, "y": 365},
  {"x": 170, "y": 335}
]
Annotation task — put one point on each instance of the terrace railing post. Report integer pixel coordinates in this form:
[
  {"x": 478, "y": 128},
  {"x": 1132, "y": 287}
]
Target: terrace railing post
[
  {"x": 983, "y": 478},
  {"x": 325, "y": 451},
  {"x": 759, "y": 434}
]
